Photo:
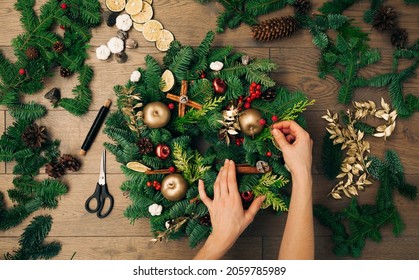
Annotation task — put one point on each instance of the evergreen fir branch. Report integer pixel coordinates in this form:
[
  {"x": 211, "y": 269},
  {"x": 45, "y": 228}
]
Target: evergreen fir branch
[
  {"x": 261, "y": 7},
  {"x": 219, "y": 54},
  {"x": 331, "y": 158},
  {"x": 14, "y": 216},
  {"x": 32, "y": 241},
  {"x": 336, "y": 6},
  {"x": 197, "y": 233},
  {"x": 28, "y": 112},
  {"x": 28, "y": 19},
  {"x": 292, "y": 113},
  {"x": 181, "y": 62}
]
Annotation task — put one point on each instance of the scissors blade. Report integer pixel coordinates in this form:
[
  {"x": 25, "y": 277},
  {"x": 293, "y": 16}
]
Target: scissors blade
[{"x": 102, "y": 177}]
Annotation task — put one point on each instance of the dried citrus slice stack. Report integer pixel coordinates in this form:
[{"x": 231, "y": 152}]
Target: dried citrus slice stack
[
  {"x": 133, "y": 7},
  {"x": 152, "y": 30},
  {"x": 115, "y": 5},
  {"x": 144, "y": 15}
]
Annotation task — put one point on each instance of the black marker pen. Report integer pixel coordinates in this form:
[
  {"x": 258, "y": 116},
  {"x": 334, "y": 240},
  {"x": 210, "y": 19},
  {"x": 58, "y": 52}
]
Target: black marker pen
[{"x": 95, "y": 127}]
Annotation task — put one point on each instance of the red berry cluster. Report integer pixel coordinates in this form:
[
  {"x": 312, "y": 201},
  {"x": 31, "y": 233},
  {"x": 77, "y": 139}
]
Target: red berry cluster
[
  {"x": 154, "y": 184},
  {"x": 254, "y": 93},
  {"x": 239, "y": 141}
]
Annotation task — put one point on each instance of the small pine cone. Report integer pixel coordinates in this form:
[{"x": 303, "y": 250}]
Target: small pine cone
[
  {"x": 302, "y": 6},
  {"x": 69, "y": 162},
  {"x": 269, "y": 95},
  {"x": 64, "y": 72},
  {"x": 34, "y": 136},
  {"x": 399, "y": 38},
  {"x": 54, "y": 169},
  {"x": 145, "y": 146},
  {"x": 385, "y": 19},
  {"x": 205, "y": 220},
  {"x": 275, "y": 28},
  {"x": 32, "y": 53},
  {"x": 58, "y": 47}
]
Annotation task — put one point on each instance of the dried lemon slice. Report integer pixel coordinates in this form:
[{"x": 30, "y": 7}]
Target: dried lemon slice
[
  {"x": 168, "y": 81},
  {"x": 137, "y": 166},
  {"x": 163, "y": 42},
  {"x": 115, "y": 5},
  {"x": 138, "y": 26},
  {"x": 144, "y": 15},
  {"x": 152, "y": 30},
  {"x": 134, "y": 6}
]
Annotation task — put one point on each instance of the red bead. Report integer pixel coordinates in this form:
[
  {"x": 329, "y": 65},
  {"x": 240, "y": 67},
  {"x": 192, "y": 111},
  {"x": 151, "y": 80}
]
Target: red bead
[
  {"x": 248, "y": 99},
  {"x": 158, "y": 187},
  {"x": 63, "y": 6},
  {"x": 268, "y": 154},
  {"x": 149, "y": 184},
  {"x": 247, "y": 105},
  {"x": 171, "y": 106},
  {"x": 155, "y": 183},
  {"x": 22, "y": 71},
  {"x": 171, "y": 169},
  {"x": 274, "y": 118},
  {"x": 258, "y": 92},
  {"x": 253, "y": 84},
  {"x": 262, "y": 122},
  {"x": 258, "y": 87}
]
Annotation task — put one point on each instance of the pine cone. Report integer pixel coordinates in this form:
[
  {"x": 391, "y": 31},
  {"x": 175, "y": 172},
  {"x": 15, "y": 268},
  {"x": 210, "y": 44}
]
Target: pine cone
[
  {"x": 269, "y": 95},
  {"x": 205, "y": 220},
  {"x": 32, "y": 53},
  {"x": 302, "y": 6},
  {"x": 275, "y": 28},
  {"x": 64, "y": 72},
  {"x": 385, "y": 19},
  {"x": 69, "y": 162},
  {"x": 145, "y": 146},
  {"x": 54, "y": 169},
  {"x": 399, "y": 38},
  {"x": 58, "y": 47},
  {"x": 34, "y": 136}
]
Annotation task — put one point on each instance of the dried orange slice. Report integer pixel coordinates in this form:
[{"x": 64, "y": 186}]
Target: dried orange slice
[
  {"x": 144, "y": 15},
  {"x": 163, "y": 42},
  {"x": 152, "y": 30},
  {"x": 133, "y": 6},
  {"x": 138, "y": 26},
  {"x": 168, "y": 81},
  {"x": 115, "y": 5}
]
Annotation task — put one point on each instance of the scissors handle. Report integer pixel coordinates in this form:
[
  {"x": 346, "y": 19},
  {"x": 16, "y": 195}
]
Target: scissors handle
[{"x": 100, "y": 195}]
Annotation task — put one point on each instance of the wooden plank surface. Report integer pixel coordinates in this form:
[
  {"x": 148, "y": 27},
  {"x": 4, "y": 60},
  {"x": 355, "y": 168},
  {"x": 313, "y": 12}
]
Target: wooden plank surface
[{"x": 114, "y": 237}]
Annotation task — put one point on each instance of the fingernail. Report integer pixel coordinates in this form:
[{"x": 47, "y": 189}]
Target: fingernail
[
  {"x": 226, "y": 161},
  {"x": 231, "y": 162},
  {"x": 275, "y": 131}
]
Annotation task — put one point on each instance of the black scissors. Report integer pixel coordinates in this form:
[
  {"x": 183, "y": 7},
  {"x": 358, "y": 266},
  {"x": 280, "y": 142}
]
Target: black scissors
[{"x": 101, "y": 193}]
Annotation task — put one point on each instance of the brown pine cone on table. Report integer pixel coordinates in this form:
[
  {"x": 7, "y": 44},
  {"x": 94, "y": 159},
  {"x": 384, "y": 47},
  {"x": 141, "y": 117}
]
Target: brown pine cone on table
[
  {"x": 34, "y": 136},
  {"x": 275, "y": 28},
  {"x": 32, "y": 53},
  {"x": 64, "y": 72},
  {"x": 399, "y": 38},
  {"x": 69, "y": 162},
  {"x": 58, "y": 47},
  {"x": 385, "y": 19},
  {"x": 54, "y": 169}
]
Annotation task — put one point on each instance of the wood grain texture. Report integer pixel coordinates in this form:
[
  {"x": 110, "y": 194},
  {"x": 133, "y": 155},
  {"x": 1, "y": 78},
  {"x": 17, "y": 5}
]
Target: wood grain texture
[{"x": 115, "y": 237}]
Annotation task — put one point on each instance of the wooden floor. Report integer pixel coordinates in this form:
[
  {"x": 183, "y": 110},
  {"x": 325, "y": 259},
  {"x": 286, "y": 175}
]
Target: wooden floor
[{"x": 114, "y": 237}]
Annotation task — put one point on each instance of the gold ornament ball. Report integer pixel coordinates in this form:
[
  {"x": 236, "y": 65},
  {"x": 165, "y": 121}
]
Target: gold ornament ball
[
  {"x": 173, "y": 187},
  {"x": 156, "y": 114},
  {"x": 249, "y": 122}
]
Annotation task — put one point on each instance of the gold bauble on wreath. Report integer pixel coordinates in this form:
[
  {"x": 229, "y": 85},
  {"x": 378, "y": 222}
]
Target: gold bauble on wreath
[
  {"x": 156, "y": 114},
  {"x": 174, "y": 187},
  {"x": 249, "y": 121}
]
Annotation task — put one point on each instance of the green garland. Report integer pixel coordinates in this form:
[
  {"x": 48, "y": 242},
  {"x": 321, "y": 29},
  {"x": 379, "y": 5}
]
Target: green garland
[
  {"x": 127, "y": 128},
  {"x": 26, "y": 76}
]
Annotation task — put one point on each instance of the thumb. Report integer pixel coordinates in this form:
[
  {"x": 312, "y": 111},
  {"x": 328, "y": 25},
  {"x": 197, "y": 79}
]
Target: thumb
[
  {"x": 279, "y": 137},
  {"x": 254, "y": 208}
]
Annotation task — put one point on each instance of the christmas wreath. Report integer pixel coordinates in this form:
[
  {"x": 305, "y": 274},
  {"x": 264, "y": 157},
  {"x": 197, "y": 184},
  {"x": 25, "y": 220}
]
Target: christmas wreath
[{"x": 180, "y": 120}]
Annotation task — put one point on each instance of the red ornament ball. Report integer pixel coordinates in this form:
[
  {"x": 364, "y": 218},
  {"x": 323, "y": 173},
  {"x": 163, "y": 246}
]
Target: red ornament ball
[
  {"x": 247, "y": 196},
  {"x": 63, "y": 6},
  {"x": 247, "y": 105},
  {"x": 274, "y": 118},
  {"x": 22, "y": 71},
  {"x": 268, "y": 154},
  {"x": 171, "y": 106},
  {"x": 149, "y": 184},
  {"x": 162, "y": 151},
  {"x": 172, "y": 169},
  {"x": 262, "y": 122}
]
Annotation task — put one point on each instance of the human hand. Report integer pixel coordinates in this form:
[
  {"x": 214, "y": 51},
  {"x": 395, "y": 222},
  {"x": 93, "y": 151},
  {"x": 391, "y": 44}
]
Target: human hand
[
  {"x": 228, "y": 218},
  {"x": 296, "y": 146}
]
